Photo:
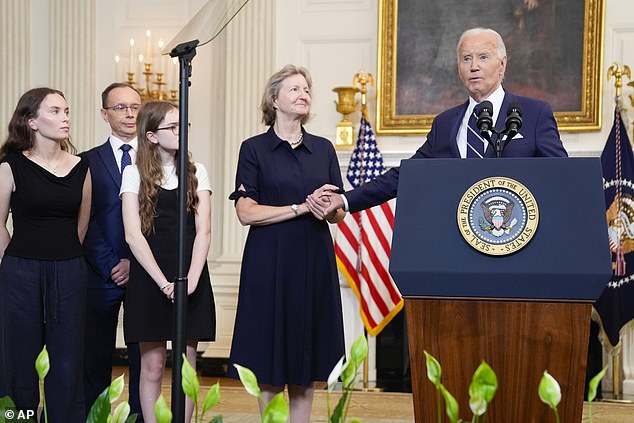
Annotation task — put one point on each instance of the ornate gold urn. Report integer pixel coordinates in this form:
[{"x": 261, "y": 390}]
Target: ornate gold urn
[{"x": 346, "y": 105}]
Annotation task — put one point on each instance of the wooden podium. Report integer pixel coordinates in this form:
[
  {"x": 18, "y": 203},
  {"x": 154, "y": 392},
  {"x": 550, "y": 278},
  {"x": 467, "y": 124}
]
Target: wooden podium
[{"x": 522, "y": 313}]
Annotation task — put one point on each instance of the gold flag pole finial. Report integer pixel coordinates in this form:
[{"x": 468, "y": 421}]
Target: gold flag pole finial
[
  {"x": 618, "y": 72},
  {"x": 363, "y": 79}
]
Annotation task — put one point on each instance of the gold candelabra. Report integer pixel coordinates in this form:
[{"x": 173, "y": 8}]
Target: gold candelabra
[{"x": 153, "y": 74}]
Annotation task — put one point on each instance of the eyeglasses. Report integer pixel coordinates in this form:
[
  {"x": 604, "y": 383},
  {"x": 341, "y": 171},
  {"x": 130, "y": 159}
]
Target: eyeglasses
[
  {"x": 174, "y": 128},
  {"x": 122, "y": 108}
]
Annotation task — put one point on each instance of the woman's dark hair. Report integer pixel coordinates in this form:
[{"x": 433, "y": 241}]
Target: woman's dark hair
[{"x": 21, "y": 136}]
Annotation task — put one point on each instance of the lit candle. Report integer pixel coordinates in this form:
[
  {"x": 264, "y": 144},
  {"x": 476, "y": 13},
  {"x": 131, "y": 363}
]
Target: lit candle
[
  {"x": 117, "y": 69},
  {"x": 141, "y": 68},
  {"x": 132, "y": 62},
  {"x": 148, "y": 45},
  {"x": 160, "y": 68},
  {"x": 175, "y": 74}
]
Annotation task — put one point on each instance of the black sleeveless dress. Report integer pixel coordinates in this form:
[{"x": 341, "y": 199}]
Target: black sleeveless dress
[{"x": 147, "y": 311}]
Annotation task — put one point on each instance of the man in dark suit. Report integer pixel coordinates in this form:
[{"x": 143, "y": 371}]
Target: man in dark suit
[
  {"x": 105, "y": 248},
  {"x": 481, "y": 58}
]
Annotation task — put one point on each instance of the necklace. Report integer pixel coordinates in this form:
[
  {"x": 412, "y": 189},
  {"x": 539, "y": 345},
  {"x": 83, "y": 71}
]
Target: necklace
[
  {"x": 47, "y": 164},
  {"x": 298, "y": 141},
  {"x": 293, "y": 144}
]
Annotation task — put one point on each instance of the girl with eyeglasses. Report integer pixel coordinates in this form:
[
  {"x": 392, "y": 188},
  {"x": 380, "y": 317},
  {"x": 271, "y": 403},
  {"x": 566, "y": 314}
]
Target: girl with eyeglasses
[{"x": 150, "y": 205}]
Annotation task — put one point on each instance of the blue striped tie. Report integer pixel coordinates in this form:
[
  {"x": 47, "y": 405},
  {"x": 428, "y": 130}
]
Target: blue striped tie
[
  {"x": 475, "y": 145},
  {"x": 125, "y": 158}
]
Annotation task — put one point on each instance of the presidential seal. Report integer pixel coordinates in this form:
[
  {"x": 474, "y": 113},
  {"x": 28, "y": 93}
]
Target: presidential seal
[
  {"x": 498, "y": 216},
  {"x": 621, "y": 224}
]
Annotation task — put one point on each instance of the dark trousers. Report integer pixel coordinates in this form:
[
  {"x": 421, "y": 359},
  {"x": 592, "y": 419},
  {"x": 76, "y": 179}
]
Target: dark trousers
[
  {"x": 101, "y": 333},
  {"x": 43, "y": 302}
]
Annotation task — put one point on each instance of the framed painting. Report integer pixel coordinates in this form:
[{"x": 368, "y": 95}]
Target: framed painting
[{"x": 554, "y": 50}]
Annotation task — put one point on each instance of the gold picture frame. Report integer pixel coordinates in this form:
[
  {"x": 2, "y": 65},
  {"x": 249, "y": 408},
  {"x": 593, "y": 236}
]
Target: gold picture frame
[{"x": 567, "y": 59}]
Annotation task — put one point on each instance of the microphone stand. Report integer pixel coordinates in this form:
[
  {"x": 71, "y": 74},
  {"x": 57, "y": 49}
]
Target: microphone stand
[
  {"x": 497, "y": 142},
  {"x": 185, "y": 53}
]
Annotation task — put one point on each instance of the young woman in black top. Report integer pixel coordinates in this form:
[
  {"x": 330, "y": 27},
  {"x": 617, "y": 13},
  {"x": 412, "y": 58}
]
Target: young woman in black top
[{"x": 42, "y": 272}]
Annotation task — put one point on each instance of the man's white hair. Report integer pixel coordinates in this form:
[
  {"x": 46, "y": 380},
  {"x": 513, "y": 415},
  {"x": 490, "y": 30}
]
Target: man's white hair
[{"x": 501, "y": 48}]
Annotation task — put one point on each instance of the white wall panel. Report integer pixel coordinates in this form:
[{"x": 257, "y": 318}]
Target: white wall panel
[
  {"x": 139, "y": 13},
  {"x": 14, "y": 56},
  {"x": 332, "y": 63},
  {"x": 620, "y": 48},
  {"x": 330, "y": 6},
  {"x": 73, "y": 67},
  {"x": 226, "y": 305}
]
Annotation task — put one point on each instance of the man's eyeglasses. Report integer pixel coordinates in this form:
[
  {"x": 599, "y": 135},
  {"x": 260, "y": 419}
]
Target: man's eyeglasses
[
  {"x": 122, "y": 108},
  {"x": 174, "y": 128}
]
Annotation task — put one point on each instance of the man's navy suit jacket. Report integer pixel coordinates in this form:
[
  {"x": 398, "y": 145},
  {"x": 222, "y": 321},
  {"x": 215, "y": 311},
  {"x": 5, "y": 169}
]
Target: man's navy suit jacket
[
  {"x": 539, "y": 138},
  {"x": 105, "y": 244}
]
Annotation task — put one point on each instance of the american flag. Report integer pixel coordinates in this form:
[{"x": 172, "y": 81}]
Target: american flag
[
  {"x": 615, "y": 307},
  {"x": 364, "y": 240}
]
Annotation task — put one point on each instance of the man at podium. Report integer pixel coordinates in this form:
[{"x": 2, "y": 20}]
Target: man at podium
[{"x": 481, "y": 59}]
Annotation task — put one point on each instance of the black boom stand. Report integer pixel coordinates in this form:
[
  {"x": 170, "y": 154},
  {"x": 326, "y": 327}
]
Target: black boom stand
[{"x": 185, "y": 53}]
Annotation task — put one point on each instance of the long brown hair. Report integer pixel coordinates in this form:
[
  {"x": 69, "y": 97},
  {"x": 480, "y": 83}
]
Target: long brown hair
[
  {"x": 148, "y": 161},
  {"x": 21, "y": 136}
]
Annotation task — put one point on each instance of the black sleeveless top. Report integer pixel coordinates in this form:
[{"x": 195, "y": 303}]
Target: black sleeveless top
[{"x": 45, "y": 210}]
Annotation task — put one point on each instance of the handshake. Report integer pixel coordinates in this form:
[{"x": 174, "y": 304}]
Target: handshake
[{"x": 324, "y": 202}]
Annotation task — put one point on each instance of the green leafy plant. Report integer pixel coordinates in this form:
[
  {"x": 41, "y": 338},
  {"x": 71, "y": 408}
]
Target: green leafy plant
[
  {"x": 101, "y": 408},
  {"x": 42, "y": 366},
  {"x": 482, "y": 389},
  {"x": 276, "y": 411},
  {"x": 550, "y": 392},
  {"x": 434, "y": 373},
  {"x": 592, "y": 389},
  {"x": 348, "y": 374},
  {"x": 162, "y": 411},
  {"x": 6, "y": 406},
  {"x": 484, "y": 385},
  {"x": 191, "y": 388}
]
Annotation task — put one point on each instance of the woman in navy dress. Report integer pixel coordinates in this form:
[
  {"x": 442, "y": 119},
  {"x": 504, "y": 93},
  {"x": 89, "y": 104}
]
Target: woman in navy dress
[{"x": 289, "y": 327}]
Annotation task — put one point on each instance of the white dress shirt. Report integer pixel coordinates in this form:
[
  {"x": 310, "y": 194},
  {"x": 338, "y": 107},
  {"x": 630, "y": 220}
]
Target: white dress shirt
[
  {"x": 116, "y": 143},
  {"x": 496, "y": 99}
]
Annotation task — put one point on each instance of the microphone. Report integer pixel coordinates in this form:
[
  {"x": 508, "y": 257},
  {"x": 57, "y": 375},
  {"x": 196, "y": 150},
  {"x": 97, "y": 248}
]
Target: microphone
[
  {"x": 484, "y": 114},
  {"x": 513, "y": 121}
]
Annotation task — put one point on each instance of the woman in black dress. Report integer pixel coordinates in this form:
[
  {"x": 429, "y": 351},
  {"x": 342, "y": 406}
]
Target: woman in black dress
[
  {"x": 288, "y": 328},
  {"x": 43, "y": 272},
  {"x": 149, "y": 205}
]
